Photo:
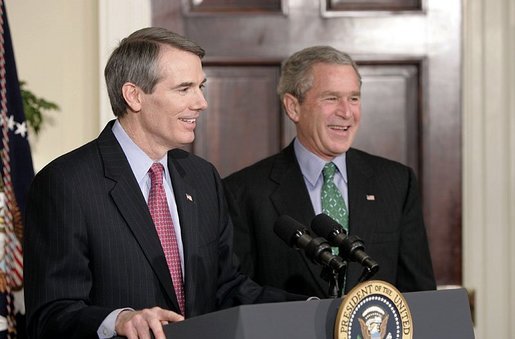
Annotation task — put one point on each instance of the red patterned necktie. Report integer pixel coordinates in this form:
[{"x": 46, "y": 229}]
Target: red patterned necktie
[{"x": 160, "y": 213}]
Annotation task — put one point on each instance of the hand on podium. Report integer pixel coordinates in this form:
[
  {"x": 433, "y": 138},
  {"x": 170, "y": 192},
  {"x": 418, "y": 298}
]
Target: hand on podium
[{"x": 136, "y": 324}]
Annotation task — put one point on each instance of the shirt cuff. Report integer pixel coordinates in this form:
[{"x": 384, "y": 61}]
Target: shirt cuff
[{"x": 107, "y": 327}]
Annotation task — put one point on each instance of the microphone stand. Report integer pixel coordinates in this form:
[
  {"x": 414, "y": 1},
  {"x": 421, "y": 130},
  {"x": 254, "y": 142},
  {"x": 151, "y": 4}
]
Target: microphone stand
[{"x": 332, "y": 276}]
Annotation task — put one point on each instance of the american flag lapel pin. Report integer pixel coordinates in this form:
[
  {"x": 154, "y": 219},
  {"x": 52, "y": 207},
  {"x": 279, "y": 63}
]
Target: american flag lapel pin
[
  {"x": 189, "y": 197},
  {"x": 371, "y": 197}
]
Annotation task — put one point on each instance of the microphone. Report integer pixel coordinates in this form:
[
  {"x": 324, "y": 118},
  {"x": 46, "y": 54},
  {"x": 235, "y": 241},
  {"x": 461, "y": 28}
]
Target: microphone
[
  {"x": 351, "y": 247},
  {"x": 297, "y": 236}
]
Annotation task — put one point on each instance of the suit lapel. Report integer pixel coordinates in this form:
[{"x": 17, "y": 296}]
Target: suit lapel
[
  {"x": 185, "y": 198},
  {"x": 127, "y": 196},
  {"x": 292, "y": 198}
]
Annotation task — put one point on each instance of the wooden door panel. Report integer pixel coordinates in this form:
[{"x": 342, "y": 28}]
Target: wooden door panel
[
  {"x": 373, "y": 5},
  {"x": 409, "y": 56},
  {"x": 242, "y": 123},
  {"x": 390, "y": 113},
  {"x": 210, "y": 6}
]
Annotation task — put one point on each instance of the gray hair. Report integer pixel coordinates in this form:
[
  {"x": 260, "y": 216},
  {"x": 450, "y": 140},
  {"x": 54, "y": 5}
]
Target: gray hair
[
  {"x": 135, "y": 60},
  {"x": 296, "y": 76}
]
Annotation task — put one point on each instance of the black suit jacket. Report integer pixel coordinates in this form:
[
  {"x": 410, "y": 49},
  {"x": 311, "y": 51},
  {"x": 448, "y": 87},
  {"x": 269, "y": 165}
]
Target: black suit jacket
[
  {"x": 391, "y": 225},
  {"x": 91, "y": 246}
]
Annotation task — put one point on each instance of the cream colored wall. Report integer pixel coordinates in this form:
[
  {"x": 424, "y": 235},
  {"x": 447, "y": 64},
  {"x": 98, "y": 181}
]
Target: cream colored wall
[
  {"x": 489, "y": 163},
  {"x": 117, "y": 19},
  {"x": 56, "y": 49}
]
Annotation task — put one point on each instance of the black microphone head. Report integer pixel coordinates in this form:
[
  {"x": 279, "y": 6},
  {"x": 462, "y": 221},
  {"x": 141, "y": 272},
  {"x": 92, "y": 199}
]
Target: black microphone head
[
  {"x": 288, "y": 229},
  {"x": 325, "y": 226}
]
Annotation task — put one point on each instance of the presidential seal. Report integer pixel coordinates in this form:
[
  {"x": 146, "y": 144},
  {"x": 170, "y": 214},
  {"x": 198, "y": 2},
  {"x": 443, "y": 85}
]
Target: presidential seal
[{"x": 373, "y": 310}]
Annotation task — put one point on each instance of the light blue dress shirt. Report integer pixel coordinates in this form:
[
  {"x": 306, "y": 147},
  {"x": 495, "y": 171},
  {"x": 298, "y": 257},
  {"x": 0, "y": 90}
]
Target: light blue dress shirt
[{"x": 311, "y": 167}]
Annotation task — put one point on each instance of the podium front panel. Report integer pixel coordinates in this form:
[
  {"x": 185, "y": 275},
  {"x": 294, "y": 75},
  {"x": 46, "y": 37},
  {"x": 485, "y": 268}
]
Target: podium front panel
[{"x": 435, "y": 314}]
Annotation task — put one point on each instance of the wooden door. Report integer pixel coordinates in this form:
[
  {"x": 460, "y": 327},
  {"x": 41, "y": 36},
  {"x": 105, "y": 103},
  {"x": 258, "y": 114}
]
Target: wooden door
[{"x": 409, "y": 57}]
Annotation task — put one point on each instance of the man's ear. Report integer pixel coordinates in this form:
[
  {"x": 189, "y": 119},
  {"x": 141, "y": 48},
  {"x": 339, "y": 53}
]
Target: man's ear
[
  {"x": 291, "y": 106},
  {"x": 131, "y": 94}
]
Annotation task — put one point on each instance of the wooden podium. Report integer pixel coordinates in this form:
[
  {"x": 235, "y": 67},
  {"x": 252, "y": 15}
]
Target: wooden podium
[{"x": 435, "y": 314}]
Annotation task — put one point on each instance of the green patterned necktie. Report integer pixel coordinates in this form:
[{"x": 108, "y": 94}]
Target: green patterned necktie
[
  {"x": 332, "y": 201},
  {"x": 333, "y": 205}
]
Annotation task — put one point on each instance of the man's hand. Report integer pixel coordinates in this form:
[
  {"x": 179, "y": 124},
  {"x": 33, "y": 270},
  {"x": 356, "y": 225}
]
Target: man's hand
[{"x": 138, "y": 324}]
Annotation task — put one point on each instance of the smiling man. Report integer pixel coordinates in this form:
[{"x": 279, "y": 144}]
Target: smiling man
[
  {"x": 371, "y": 197},
  {"x": 128, "y": 232}
]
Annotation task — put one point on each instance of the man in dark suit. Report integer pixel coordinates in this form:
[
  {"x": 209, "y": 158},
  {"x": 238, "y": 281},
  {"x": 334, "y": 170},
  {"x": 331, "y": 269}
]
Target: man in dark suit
[
  {"x": 95, "y": 265},
  {"x": 320, "y": 91}
]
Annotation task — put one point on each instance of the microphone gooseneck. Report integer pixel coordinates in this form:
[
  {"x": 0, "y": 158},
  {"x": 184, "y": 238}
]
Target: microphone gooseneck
[{"x": 351, "y": 247}]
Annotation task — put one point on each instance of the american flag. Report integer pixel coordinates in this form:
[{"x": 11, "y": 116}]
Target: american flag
[{"x": 16, "y": 174}]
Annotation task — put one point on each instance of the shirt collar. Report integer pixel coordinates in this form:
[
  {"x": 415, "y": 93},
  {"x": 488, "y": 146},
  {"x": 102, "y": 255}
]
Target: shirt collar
[
  {"x": 311, "y": 165},
  {"x": 139, "y": 161}
]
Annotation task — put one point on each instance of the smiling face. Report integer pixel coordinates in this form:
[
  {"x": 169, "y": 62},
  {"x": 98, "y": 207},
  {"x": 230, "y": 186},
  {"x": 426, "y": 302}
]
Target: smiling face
[
  {"x": 166, "y": 118},
  {"x": 329, "y": 115}
]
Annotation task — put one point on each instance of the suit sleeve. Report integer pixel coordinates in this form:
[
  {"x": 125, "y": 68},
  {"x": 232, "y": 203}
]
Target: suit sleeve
[
  {"x": 244, "y": 246},
  {"x": 236, "y": 288},
  {"x": 58, "y": 280},
  {"x": 415, "y": 270}
]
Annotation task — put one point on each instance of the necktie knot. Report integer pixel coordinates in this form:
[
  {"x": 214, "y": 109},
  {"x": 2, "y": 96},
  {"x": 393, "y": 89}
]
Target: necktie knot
[
  {"x": 329, "y": 170},
  {"x": 156, "y": 173}
]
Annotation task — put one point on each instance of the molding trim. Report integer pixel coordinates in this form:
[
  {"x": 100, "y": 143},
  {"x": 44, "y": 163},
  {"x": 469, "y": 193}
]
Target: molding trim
[
  {"x": 489, "y": 162},
  {"x": 116, "y": 20}
]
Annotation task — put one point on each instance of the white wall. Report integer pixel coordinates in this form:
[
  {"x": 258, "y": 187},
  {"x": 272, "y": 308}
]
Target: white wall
[
  {"x": 117, "y": 19},
  {"x": 56, "y": 49},
  {"x": 59, "y": 43}
]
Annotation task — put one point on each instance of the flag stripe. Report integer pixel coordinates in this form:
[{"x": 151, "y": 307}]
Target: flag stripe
[{"x": 16, "y": 174}]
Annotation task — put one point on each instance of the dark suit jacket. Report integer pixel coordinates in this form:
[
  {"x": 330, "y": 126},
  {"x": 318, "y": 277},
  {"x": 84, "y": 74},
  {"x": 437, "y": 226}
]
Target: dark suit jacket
[
  {"x": 91, "y": 246},
  {"x": 391, "y": 226}
]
